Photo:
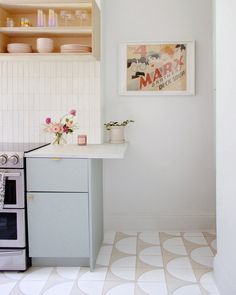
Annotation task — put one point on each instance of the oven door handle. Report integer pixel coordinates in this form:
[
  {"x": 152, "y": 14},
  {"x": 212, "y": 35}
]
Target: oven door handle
[
  {"x": 12, "y": 253},
  {"x": 18, "y": 174}
]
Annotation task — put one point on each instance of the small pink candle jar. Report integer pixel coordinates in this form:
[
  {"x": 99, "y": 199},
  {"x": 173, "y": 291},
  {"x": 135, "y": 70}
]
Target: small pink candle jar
[{"x": 82, "y": 139}]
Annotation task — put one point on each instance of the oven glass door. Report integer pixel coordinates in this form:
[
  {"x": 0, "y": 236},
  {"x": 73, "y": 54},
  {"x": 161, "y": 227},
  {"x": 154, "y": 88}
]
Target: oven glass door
[
  {"x": 14, "y": 189},
  {"x": 12, "y": 228}
]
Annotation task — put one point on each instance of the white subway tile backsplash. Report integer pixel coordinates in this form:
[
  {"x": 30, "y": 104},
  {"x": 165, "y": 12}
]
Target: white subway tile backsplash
[{"x": 32, "y": 90}]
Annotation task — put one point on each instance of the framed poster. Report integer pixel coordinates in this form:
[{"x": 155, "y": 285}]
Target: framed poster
[{"x": 157, "y": 68}]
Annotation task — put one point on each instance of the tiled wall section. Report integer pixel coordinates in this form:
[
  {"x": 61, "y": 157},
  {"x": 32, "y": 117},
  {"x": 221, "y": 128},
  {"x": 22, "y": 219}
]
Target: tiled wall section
[{"x": 32, "y": 90}]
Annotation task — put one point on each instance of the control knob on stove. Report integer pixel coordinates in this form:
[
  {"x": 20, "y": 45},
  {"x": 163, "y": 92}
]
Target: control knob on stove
[
  {"x": 14, "y": 159},
  {"x": 3, "y": 159}
]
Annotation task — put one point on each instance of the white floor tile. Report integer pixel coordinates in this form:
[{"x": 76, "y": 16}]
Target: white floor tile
[
  {"x": 5, "y": 289},
  {"x": 174, "y": 241},
  {"x": 91, "y": 287},
  {"x": 124, "y": 273},
  {"x": 182, "y": 263},
  {"x": 196, "y": 240},
  {"x": 127, "y": 245},
  {"x": 188, "y": 290},
  {"x": 104, "y": 255},
  {"x": 122, "y": 289},
  {"x": 70, "y": 273},
  {"x": 150, "y": 237},
  {"x": 175, "y": 249},
  {"x": 99, "y": 274},
  {"x": 153, "y": 288},
  {"x": 124, "y": 262},
  {"x": 208, "y": 283},
  {"x": 152, "y": 260},
  {"x": 155, "y": 250},
  {"x": 109, "y": 237},
  {"x": 60, "y": 289},
  {"x": 183, "y": 274},
  {"x": 32, "y": 287},
  {"x": 157, "y": 276}
]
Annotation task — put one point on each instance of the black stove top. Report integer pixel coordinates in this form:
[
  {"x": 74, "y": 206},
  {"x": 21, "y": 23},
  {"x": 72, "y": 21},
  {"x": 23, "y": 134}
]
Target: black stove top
[{"x": 22, "y": 147}]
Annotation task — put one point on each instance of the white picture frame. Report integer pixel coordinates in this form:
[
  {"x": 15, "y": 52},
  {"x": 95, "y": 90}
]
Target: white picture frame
[{"x": 172, "y": 62}]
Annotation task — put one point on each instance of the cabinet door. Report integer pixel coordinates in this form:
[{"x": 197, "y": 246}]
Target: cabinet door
[
  {"x": 57, "y": 175},
  {"x": 58, "y": 224}
]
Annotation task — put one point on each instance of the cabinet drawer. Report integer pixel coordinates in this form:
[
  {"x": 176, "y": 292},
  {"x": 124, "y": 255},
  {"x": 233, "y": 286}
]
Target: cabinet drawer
[
  {"x": 58, "y": 224},
  {"x": 57, "y": 175}
]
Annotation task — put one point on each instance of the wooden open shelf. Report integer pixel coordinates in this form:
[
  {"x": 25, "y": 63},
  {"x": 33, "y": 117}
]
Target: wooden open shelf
[
  {"x": 49, "y": 31},
  {"x": 86, "y": 34}
]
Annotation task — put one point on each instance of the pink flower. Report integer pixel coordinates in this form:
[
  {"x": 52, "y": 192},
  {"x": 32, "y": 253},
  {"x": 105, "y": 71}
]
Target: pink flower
[
  {"x": 48, "y": 120},
  {"x": 73, "y": 113},
  {"x": 65, "y": 129},
  {"x": 57, "y": 128}
]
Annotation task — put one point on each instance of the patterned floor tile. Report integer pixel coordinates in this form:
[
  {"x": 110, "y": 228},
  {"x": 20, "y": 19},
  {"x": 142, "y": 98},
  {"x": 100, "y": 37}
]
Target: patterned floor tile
[{"x": 129, "y": 263}]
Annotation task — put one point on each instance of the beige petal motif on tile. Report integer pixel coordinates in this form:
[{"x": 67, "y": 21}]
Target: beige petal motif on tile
[
  {"x": 130, "y": 233},
  {"x": 91, "y": 287},
  {"x": 122, "y": 289},
  {"x": 203, "y": 256},
  {"x": 5, "y": 289},
  {"x": 173, "y": 233},
  {"x": 193, "y": 234},
  {"x": 153, "y": 288},
  {"x": 64, "y": 288},
  {"x": 127, "y": 245},
  {"x": 175, "y": 249},
  {"x": 150, "y": 237},
  {"x": 208, "y": 283},
  {"x": 188, "y": 290},
  {"x": 69, "y": 273},
  {"x": 196, "y": 240}
]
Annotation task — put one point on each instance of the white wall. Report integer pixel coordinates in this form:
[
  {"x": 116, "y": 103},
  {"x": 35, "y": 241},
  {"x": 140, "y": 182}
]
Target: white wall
[
  {"x": 32, "y": 90},
  {"x": 225, "y": 262},
  {"x": 167, "y": 179}
]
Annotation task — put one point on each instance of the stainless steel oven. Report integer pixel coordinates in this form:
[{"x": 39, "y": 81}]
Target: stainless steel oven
[
  {"x": 12, "y": 228},
  {"x": 13, "y": 242},
  {"x": 14, "y": 189}
]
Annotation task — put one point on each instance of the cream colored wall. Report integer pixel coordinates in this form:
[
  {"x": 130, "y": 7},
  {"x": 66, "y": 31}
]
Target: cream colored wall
[{"x": 167, "y": 180}]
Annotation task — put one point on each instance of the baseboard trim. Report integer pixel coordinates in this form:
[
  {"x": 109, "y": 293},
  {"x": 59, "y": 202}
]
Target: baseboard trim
[
  {"x": 165, "y": 222},
  {"x": 225, "y": 283}
]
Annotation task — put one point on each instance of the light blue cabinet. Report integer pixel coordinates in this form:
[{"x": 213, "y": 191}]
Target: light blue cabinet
[{"x": 65, "y": 211}]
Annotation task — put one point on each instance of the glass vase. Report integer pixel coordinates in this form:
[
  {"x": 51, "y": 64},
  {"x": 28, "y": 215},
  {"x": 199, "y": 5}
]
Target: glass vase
[{"x": 59, "y": 139}]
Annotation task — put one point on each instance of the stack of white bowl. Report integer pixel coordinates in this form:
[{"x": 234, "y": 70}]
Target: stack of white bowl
[
  {"x": 75, "y": 48},
  {"x": 19, "y": 48},
  {"x": 45, "y": 45}
]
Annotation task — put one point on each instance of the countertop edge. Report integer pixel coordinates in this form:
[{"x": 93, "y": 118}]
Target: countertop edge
[{"x": 99, "y": 151}]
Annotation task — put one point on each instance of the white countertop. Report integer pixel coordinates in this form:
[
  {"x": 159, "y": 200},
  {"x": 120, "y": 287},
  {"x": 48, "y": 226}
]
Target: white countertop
[{"x": 92, "y": 151}]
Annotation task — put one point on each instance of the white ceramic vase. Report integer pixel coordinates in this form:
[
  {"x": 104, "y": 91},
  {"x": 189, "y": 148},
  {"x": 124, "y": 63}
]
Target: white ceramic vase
[{"x": 117, "y": 134}]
